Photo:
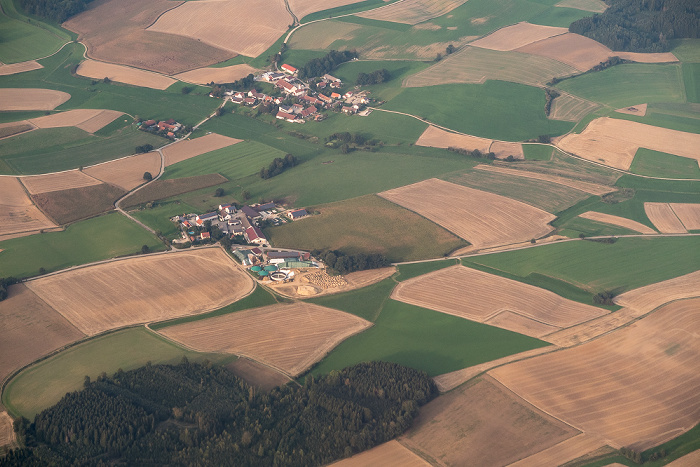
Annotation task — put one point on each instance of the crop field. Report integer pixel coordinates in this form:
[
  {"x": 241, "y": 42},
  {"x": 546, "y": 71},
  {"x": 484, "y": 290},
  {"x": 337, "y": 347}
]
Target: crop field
[
  {"x": 615, "y": 142},
  {"x": 483, "y": 423},
  {"x": 664, "y": 218},
  {"x": 161, "y": 189},
  {"x": 571, "y": 108},
  {"x": 640, "y": 109},
  {"x": 126, "y": 173},
  {"x": 617, "y": 220},
  {"x": 144, "y": 289},
  {"x": 289, "y": 337},
  {"x": 399, "y": 72},
  {"x": 206, "y": 75},
  {"x": 586, "y": 187},
  {"x": 302, "y": 8},
  {"x": 389, "y": 454},
  {"x": 483, "y": 219},
  {"x": 518, "y": 307},
  {"x": 681, "y": 117},
  {"x": 661, "y": 164},
  {"x": 124, "y": 74},
  {"x": 183, "y": 150},
  {"x": 257, "y": 374},
  {"x": 17, "y": 212},
  {"x": 84, "y": 242},
  {"x": 691, "y": 78},
  {"x": 368, "y": 224},
  {"x": 321, "y": 35},
  {"x": 20, "y": 67},
  {"x": 568, "y": 450},
  {"x": 412, "y": 11},
  {"x": 517, "y": 36},
  {"x": 7, "y": 434},
  {"x": 504, "y": 150},
  {"x": 23, "y": 40},
  {"x": 66, "y": 206},
  {"x": 688, "y": 213},
  {"x": 57, "y": 181},
  {"x": 435, "y": 137},
  {"x": 658, "y": 353},
  {"x": 646, "y": 299},
  {"x": 89, "y": 120},
  {"x": 31, "y": 99},
  {"x": 594, "y": 6}
]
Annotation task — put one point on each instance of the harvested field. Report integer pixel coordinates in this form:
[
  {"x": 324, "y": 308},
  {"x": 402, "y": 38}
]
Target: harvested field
[
  {"x": 483, "y": 219},
  {"x": 289, "y": 337},
  {"x": 194, "y": 20},
  {"x": 566, "y": 451},
  {"x": 588, "y": 187},
  {"x": 571, "y": 108},
  {"x": 320, "y": 283},
  {"x": 589, "y": 330},
  {"x": 660, "y": 57},
  {"x": 640, "y": 110},
  {"x": 435, "y": 137},
  {"x": 14, "y": 68},
  {"x": 36, "y": 184},
  {"x": 595, "y": 6},
  {"x": 31, "y": 99},
  {"x": 17, "y": 213},
  {"x": 161, "y": 189},
  {"x": 15, "y": 128},
  {"x": 127, "y": 172},
  {"x": 389, "y": 454},
  {"x": 144, "y": 289},
  {"x": 615, "y": 142},
  {"x": 367, "y": 277},
  {"x": 504, "y": 149},
  {"x": 646, "y": 299},
  {"x": 688, "y": 213},
  {"x": 321, "y": 35},
  {"x": 89, "y": 120},
  {"x": 482, "y": 423},
  {"x": 469, "y": 293},
  {"x": 31, "y": 329},
  {"x": 7, "y": 434},
  {"x": 689, "y": 460},
  {"x": 66, "y": 206},
  {"x": 124, "y": 74},
  {"x": 206, "y": 75},
  {"x": 377, "y": 49},
  {"x": 617, "y": 220},
  {"x": 301, "y": 8},
  {"x": 412, "y": 11},
  {"x": 518, "y": 35},
  {"x": 187, "y": 149},
  {"x": 257, "y": 374},
  {"x": 663, "y": 218},
  {"x": 636, "y": 387},
  {"x": 115, "y": 31}
]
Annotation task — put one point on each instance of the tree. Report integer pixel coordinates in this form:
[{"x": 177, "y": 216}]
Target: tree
[
  {"x": 187, "y": 89},
  {"x": 145, "y": 250},
  {"x": 438, "y": 57},
  {"x": 106, "y": 80},
  {"x": 450, "y": 48},
  {"x": 144, "y": 148},
  {"x": 147, "y": 176},
  {"x": 219, "y": 192}
]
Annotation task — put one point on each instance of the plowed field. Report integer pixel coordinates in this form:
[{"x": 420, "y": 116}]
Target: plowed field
[
  {"x": 688, "y": 213},
  {"x": 144, "y": 289},
  {"x": 595, "y": 6},
  {"x": 571, "y": 108},
  {"x": 651, "y": 296},
  {"x": 227, "y": 74},
  {"x": 413, "y": 11},
  {"x": 389, "y": 454},
  {"x": 66, "y": 206},
  {"x": 17, "y": 213},
  {"x": 124, "y": 74},
  {"x": 21, "y": 67},
  {"x": 518, "y": 35},
  {"x": 663, "y": 218},
  {"x": 257, "y": 374},
  {"x": 7, "y": 434},
  {"x": 566, "y": 451},
  {"x": 31, "y": 99},
  {"x": 617, "y": 220},
  {"x": 126, "y": 173},
  {"x": 301, "y": 8},
  {"x": 57, "y": 181},
  {"x": 588, "y": 187},
  {"x": 89, "y": 120},
  {"x": 183, "y": 150},
  {"x": 434, "y": 137}
]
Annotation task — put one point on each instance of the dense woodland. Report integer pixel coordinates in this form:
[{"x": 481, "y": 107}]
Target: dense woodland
[
  {"x": 642, "y": 25},
  {"x": 54, "y": 10},
  {"x": 343, "y": 263},
  {"x": 325, "y": 64},
  {"x": 278, "y": 165},
  {"x": 192, "y": 414}
]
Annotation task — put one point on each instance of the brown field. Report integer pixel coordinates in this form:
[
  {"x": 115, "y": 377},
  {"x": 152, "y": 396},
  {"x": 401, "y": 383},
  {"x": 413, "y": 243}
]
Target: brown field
[
  {"x": 17, "y": 213},
  {"x": 483, "y": 219},
  {"x": 689, "y": 460},
  {"x": 312, "y": 283},
  {"x": 617, "y": 220},
  {"x": 435, "y": 137},
  {"x": 206, "y": 75},
  {"x": 127, "y": 172},
  {"x": 517, "y": 36},
  {"x": 58, "y": 181},
  {"x": 302, "y": 8},
  {"x": 412, "y": 11},
  {"x": 187, "y": 149},
  {"x": 89, "y": 120},
  {"x": 504, "y": 149},
  {"x": 376, "y": 49},
  {"x": 66, "y": 206},
  {"x": 31, "y": 329},
  {"x": 14, "y": 128},
  {"x": 688, "y": 213},
  {"x": 321, "y": 35},
  {"x": 370, "y": 276},
  {"x": 482, "y": 423},
  {"x": 640, "y": 110},
  {"x": 636, "y": 387},
  {"x": 115, "y": 31},
  {"x": 256, "y": 374},
  {"x": 7, "y": 434},
  {"x": 21, "y": 67},
  {"x": 289, "y": 337},
  {"x": 124, "y": 74},
  {"x": 469, "y": 293},
  {"x": 161, "y": 189},
  {"x": 587, "y": 187},
  {"x": 615, "y": 142},
  {"x": 589, "y": 330},
  {"x": 646, "y": 299},
  {"x": 31, "y": 99},
  {"x": 144, "y": 289},
  {"x": 663, "y": 218},
  {"x": 257, "y": 30},
  {"x": 595, "y": 6},
  {"x": 561, "y": 453},
  {"x": 389, "y": 454},
  {"x": 660, "y": 57},
  {"x": 570, "y": 108}
]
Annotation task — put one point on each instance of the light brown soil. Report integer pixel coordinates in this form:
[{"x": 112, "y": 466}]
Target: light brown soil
[
  {"x": 36, "y": 184},
  {"x": 636, "y": 387},
  {"x": 377, "y": 49},
  {"x": 434, "y": 137},
  {"x": 413, "y": 11},
  {"x": 227, "y": 74},
  {"x": 566, "y": 451},
  {"x": 144, "y": 289},
  {"x": 289, "y": 337},
  {"x": 14, "y": 128},
  {"x": 21, "y": 67},
  {"x": 305, "y": 285},
  {"x": 321, "y": 35},
  {"x": 31, "y": 329},
  {"x": 89, "y": 120},
  {"x": 183, "y": 150},
  {"x": 368, "y": 277},
  {"x": 571, "y": 108},
  {"x": 688, "y": 213},
  {"x": 589, "y": 330},
  {"x": 518, "y": 35},
  {"x": 160, "y": 189},
  {"x": 7, "y": 434},
  {"x": 124, "y": 74},
  {"x": 660, "y": 57},
  {"x": 588, "y": 187},
  {"x": 617, "y": 220},
  {"x": 521, "y": 324},
  {"x": 689, "y": 460},
  {"x": 663, "y": 218},
  {"x": 647, "y": 298},
  {"x": 482, "y": 423},
  {"x": 257, "y": 374},
  {"x": 389, "y": 454},
  {"x": 17, "y": 213},
  {"x": 31, "y": 99},
  {"x": 66, "y": 206},
  {"x": 302, "y": 8},
  {"x": 115, "y": 31},
  {"x": 483, "y": 219},
  {"x": 126, "y": 173},
  {"x": 640, "y": 110},
  {"x": 504, "y": 149},
  {"x": 595, "y": 6},
  {"x": 614, "y": 142}
]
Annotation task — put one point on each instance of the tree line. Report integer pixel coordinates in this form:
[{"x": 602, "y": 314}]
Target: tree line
[
  {"x": 54, "y": 10},
  {"x": 342, "y": 263},
  {"x": 325, "y": 64},
  {"x": 5, "y": 282},
  {"x": 278, "y": 165},
  {"x": 376, "y": 77},
  {"x": 199, "y": 414}
]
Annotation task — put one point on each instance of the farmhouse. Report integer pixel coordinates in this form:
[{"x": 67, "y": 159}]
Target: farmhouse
[
  {"x": 335, "y": 95},
  {"x": 249, "y": 101},
  {"x": 309, "y": 111},
  {"x": 250, "y": 212},
  {"x": 325, "y": 98},
  {"x": 331, "y": 79},
  {"x": 288, "y": 69},
  {"x": 350, "y": 110},
  {"x": 271, "y": 76},
  {"x": 264, "y": 206},
  {"x": 276, "y": 257},
  {"x": 285, "y": 116},
  {"x": 297, "y": 214},
  {"x": 210, "y": 216},
  {"x": 204, "y": 236},
  {"x": 255, "y": 235}
]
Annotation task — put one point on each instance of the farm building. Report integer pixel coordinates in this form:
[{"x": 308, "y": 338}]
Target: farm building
[
  {"x": 309, "y": 111},
  {"x": 210, "y": 216},
  {"x": 250, "y": 212},
  {"x": 264, "y": 206},
  {"x": 331, "y": 79},
  {"x": 272, "y": 76},
  {"x": 285, "y": 116},
  {"x": 297, "y": 265},
  {"x": 325, "y": 98},
  {"x": 255, "y": 235},
  {"x": 246, "y": 257},
  {"x": 288, "y": 69},
  {"x": 335, "y": 95},
  {"x": 297, "y": 214}
]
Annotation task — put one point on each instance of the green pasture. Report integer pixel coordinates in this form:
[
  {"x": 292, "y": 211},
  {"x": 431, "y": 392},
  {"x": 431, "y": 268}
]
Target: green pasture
[
  {"x": 158, "y": 217},
  {"x": 559, "y": 16},
  {"x": 495, "y": 109},
  {"x": 45, "y": 383},
  {"x": 634, "y": 208},
  {"x": 398, "y": 71},
  {"x": 537, "y": 152},
  {"x": 366, "y": 302},
  {"x": 16, "y": 116},
  {"x": 689, "y": 188},
  {"x": 676, "y": 116},
  {"x": 691, "y": 78},
  {"x": 661, "y": 164},
  {"x": 687, "y": 50},
  {"x": 344, "y": 10},
  {"x": 409, "y": 271},
  {"x": 578, "y": 225},
  {"x": 26, "y": 38},
  {"x": 91, "y": 240}
]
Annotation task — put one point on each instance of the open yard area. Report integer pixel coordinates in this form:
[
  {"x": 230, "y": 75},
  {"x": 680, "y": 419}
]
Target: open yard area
[
  {"x": 17, "y": 212},
  {"x": 31, "y": 99}
]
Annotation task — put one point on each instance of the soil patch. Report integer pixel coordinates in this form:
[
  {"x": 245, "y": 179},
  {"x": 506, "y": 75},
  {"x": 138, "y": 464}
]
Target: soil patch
[
  {"x": 89, "y": 120},
  {"x": 595, "y": 6},
  {"x": 17, "y": 213},
  {"x": 124, "y": 74},
  {"x": 646, "y": 299},
  {"x": 663, "y": 218},
  {"x": 257, "y": 374},
  {"x": 504, "y": 149},
  {"x": 66, "y": 206},
  {"x": 7, "y": 434},
  {"x": 36, "y": 184},
  {"x": 206, "y": 75},
  {"x": 161, "y": 189},
  {"x": 183, "y": 150},
  {"x": 21, "y": 67},
  {"x": 688, "y": 213},
  {"x": 588, "y": 187},
  {"x": 640, "y": 110},
  {"x": 567, "y": 450},
  {"x": 435, "y": 137},
  {"x": 518, "y": 35},
  {"x": 619, "y": 221},
  {"x": 31, "y": 99},
  {"x": 412, "y": 11},
  {"x": 389, "y": 454},
  {"x": 127, "y": 172}
]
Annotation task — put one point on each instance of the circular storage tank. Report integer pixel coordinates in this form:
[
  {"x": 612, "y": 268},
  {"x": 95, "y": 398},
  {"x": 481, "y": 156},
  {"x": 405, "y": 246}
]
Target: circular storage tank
[
  {"x": 278, "y": 275},
  {"x": 256, "y": 269},
  {"x": 263, "y": 273},
  {"x": 270, "y": 268}
]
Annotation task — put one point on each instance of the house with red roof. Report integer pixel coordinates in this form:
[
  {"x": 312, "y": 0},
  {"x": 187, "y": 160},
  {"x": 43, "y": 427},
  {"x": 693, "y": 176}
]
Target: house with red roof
[
  {"x": 255, "y": 235},
  {"x": 288, "y": 69}
]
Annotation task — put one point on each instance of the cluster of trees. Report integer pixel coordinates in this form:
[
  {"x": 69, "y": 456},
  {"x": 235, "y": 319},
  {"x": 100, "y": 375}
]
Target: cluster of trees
[
  {"x": 325, "y": 64},
  {"x": 5, "y": 282},
  {"x": 244, "y": 84},
  {"x": 376, "y": 77},
  {"x": 342, "y": 263},
  {"x": 475, "y": 153},
  {"x": 604, "y": 298},
  {"x": 191, "y": 414},
  {"x": 347, "y": 142},
  {"x": 54, "y": 10},
  {"x": 642, "y": 26},
  {"x": 550, "y": 94},
  {"x": 143, "y": 148},
  {"x": 277, "y": 166}
]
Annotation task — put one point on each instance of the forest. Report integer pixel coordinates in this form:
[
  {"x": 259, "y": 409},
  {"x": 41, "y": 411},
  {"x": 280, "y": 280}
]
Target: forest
[
  {"x": 342, "y": 263},
  {"x": 199, "y": 414},
  {"x": 54, "y": 10},
  {"x": 325, "y": 64}
]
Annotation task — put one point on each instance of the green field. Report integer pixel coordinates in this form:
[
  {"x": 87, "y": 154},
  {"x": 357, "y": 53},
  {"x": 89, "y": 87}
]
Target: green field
[
  {"x": 366, "y": 302},
  {"x": 409, "y": 271},
  {"x": 537, "y": 152},
  {"x": 25, "y": 38},
  {"x": 42, "y": 385},
  {"x": 578, "y": 225},
  {"x": 687, "y": 50},
  {"x": 91, "y": 240},
  {"x": 495, "y": 109},
  {"x": 681, "y": 117},
  {"x": 368, "y": 224},
  {"x": 344, "y": 10},
  {"x": 398, "y": 71},
  {"x": 691, "y": 78},
  {"x": 661, "y": 164}
]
